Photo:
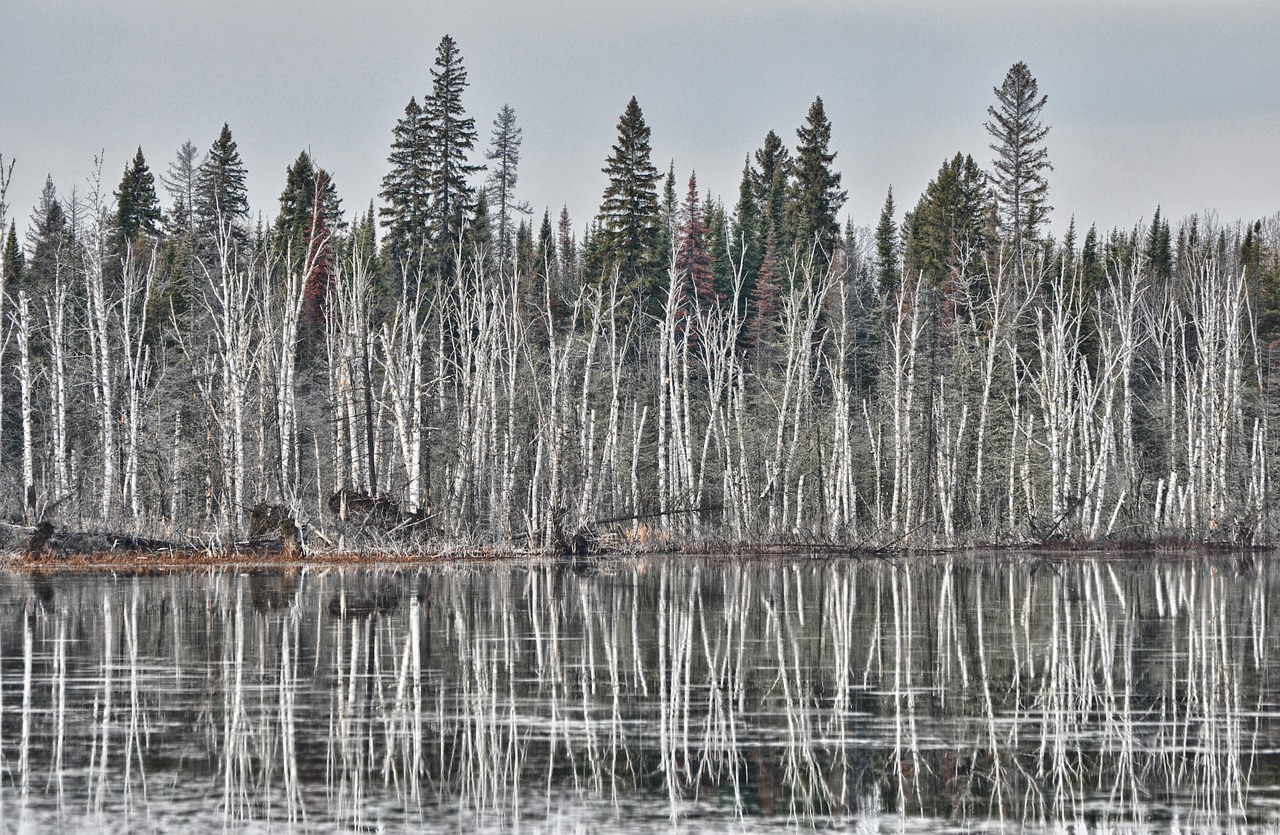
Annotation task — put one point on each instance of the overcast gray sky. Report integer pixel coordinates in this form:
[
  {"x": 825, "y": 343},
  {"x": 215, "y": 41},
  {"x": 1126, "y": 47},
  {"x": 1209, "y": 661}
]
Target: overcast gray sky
[{"x": 1170, "y": 103}]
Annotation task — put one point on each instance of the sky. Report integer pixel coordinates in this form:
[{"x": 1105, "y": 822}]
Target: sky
[{"x": 1170, "y": 103}]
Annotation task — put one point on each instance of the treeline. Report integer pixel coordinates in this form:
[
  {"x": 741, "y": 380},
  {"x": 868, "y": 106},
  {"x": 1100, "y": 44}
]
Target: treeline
[{"x": 754, "y": 373}]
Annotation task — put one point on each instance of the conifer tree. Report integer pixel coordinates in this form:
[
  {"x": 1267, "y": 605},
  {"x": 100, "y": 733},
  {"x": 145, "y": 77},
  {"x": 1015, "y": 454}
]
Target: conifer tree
[
  {"x": 629, "y": 217},
  {"x": 295, "y": 225},
  {"x": 947, "y": 223},
  {"x": 14, "y": 261},
  {"x": 1159, "y": 248},
  {"x": 746, "y": 243},
  {"x": 504, "y": 158},
  {"x": 49, "y": 239},
  {"x": 765, "y": 300},
  {"x": 774, "y": 162},
  {"x": 718, "y": 246},
  {"x": 180, "y": 183},
  {"x": 406, "y": 191},
  {"x": 693, "y": 261},
  {"x": 318, "y": 264},
  {"x": 451, "y": 136},
  {"x": 221, "y": 199},
  {"x": 887, "y": 246},
  {"x": 137, "y": 207},
  {"x": 1018, "y": 169},
  {"x": 815, "y": 197}
]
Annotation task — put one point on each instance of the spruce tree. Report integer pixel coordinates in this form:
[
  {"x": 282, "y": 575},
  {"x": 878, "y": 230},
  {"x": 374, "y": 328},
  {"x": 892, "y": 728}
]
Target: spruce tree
[
  {"x": 1018, "y": 169},
  {"x": 504, "y": 158},
  {"x": 294, "y": 225},
  {"x": 774, "y": 162},
  {"x": 629, "y": 218},
  {"x": 14, "y": 262},
  {"x": 746, "y": 242},
  {"x": 221, "y": 199},
  {"x": 1159, "y": 248},
  {"x": 137, "y": 207},
  {"x": 49, "y": 240},
  {"x": 948, "y": 222},
  {"x": 815, "y": 197},
  {"x": 451, "y": 136},
  {"x": 693, "y": 261},
  {"x": 406, "y": 191},
  {"x": 887, "y": 246}
]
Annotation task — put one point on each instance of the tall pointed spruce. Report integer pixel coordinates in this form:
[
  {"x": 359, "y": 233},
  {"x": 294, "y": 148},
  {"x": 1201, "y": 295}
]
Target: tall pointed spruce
[
  {"x": 816, "y": 196},
  {"x": 1021, "y": 160},
  {"x": 504, "y": 158},
  {"x": 629, "y": 210},
  {"x": 451, "y": 136}
]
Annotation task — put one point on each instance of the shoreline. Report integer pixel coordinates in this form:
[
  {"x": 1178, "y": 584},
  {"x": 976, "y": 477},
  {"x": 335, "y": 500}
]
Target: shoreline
[{"x": 177, "y": 561}]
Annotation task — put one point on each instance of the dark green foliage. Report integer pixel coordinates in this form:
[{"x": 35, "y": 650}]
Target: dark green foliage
[
  {"x": 629, "y": 232},
  {"x": 293, "y": 226},
  {"x": 887, "y": 246},
  {"x": 774, "y": 163},
  {"x": 815, "y": 196},
  {"x": 746, "y": 236},
  {"x": 14, "y": 260},
  {"x": 478, "y": 244},
  {"x": 1017, "y": 177},
  {"x": 137, "y": 207},
  {"x": 946, "y": 228},
  {"x": 221, "y": 200},
  {"x": 451, "y": 136},
  {"x": 718, "y": 247},
  {"x": 406, "y": 192},
  {"x": 1159, "y": 248}
]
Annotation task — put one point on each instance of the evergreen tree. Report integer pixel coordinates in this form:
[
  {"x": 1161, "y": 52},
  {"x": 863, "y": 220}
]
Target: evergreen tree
[
  {"x": 629, "y": 217},
  {"x": 693, "y": 261},
  {"x": 451, "y": 136},
  {"x": 137, "y": 207},
  {"x": 294, "y": 224},
  {"x": 221, "y": 200},
  {"x": 504, "y": 158},
  {"x": 525, "y": 256},
  {"x": 478, "y": 236},
  {"x": 815, "y": 197},
  {"x": 774, "y": 161},
  {"x": 180, "y": 183},
  {"x": 765, "y": 300},
  {"x": 746, "y": 242},
  {"x": 887, "y": 246},
  {"x": 544, "y": 250},
  {"x": 948, "y": 222},
  {"x": 718, "y": 246},
  {"x": 668, "y": 217},
  {"x": 1018, "y": 177},
  {"x": 14, "y": 262},
  {"x": 318, "y": 264},
  {"x": 568, "y": 272},
  {"x": 406, "y": 190},
  {"x": 1159, "y": 248},
  {"x": 49, "y": 240}
]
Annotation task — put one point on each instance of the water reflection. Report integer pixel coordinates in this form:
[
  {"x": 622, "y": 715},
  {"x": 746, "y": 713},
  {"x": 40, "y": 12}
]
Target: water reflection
[{"x": 949, "y": 694}]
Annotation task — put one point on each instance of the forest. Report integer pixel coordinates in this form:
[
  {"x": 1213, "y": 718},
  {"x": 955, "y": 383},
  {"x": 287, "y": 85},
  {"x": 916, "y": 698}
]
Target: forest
[{"x": 447, "y": 369}]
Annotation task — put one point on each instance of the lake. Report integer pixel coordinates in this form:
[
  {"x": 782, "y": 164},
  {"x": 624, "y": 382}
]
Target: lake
[{"x": 924, "y": 694}]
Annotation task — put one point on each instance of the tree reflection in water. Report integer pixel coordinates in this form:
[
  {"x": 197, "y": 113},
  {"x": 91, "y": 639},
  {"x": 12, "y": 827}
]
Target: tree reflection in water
[{"x": 923, "y": 694}]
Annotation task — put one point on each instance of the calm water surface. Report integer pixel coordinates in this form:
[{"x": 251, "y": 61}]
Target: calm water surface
[{"x": 930, "y": 695}]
